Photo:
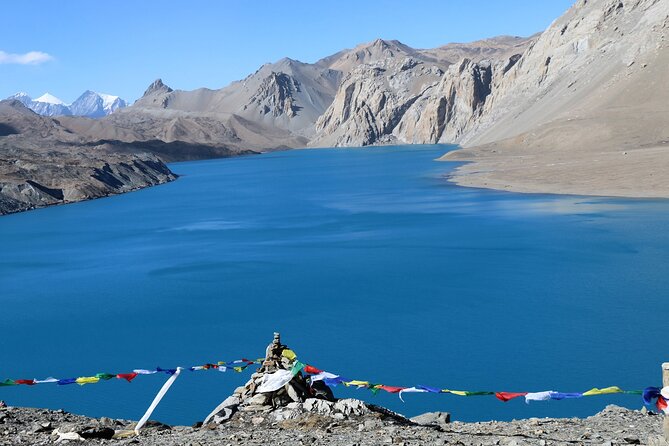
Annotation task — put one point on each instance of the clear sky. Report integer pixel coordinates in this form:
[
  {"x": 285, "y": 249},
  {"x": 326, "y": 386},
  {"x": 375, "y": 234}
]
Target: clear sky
[{"x": 119, "y": 47}]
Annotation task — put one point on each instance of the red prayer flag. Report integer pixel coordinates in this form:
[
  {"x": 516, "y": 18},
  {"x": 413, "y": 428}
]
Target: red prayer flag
[
  {"x": 127, "y": 376},
  {"x": 312, "y": 370},
  {"x": 506, "y": 396},
  {"x": 392, "y": 389},
  {"x": 27, "y": 382},
  {"x": 661, "y": 403}
]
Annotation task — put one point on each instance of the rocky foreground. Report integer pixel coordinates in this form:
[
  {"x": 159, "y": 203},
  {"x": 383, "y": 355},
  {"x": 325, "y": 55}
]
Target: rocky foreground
[
  {"x": 318, "y": 422},
  {"x": 284, "y": 403}
]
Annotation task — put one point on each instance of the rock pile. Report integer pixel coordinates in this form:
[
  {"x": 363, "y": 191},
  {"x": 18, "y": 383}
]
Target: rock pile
[
  {"x": 279, "y": 386},
  {"x": 279, "y": 391}
]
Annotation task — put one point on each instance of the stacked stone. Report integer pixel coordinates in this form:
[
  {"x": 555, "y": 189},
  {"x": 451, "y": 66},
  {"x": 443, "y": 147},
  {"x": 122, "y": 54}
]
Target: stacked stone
[{"x": 247, "y": 397}]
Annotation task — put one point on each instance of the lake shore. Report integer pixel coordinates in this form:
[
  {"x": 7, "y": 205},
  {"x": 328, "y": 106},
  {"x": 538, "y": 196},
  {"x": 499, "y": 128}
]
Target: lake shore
[
  {"x": 613, "y": 425},
  {"x": 604, "y": 172}
]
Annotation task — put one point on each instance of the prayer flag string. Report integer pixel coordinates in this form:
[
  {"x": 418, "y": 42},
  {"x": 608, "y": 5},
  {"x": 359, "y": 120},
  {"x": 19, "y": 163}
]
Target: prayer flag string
[
  {"x": 238, "y": 365},
  {"x": 650, "y": 395}
]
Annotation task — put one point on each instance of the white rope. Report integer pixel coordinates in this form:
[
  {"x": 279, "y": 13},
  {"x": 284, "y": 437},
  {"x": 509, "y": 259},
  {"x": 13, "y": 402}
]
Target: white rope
[{"x": 156, "y": 400}]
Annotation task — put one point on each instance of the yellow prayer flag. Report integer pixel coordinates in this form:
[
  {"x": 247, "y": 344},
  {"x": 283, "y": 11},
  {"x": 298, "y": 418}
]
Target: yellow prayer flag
[
  {"x": 357, "y": 383},
  {"x": 456, "y": 392},
  {"x": 604, "y": 391},
  {"x": 87, "y": 380},
  {"x": 289, "y": 354}
]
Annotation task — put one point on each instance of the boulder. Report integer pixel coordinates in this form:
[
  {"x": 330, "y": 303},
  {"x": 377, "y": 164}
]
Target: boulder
[{"x": 432, "y": 419}]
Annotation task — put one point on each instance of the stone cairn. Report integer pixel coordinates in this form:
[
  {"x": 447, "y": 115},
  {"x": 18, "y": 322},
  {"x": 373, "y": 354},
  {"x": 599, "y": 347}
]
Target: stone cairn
[{"x": 248, "y": 398}]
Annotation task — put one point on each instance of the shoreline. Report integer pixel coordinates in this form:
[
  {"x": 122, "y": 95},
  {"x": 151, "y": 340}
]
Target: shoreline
[
  {"x": 83, "y": 200},
  {"x": 607, "y": 173},
  {"x": 484, "y": 167}
]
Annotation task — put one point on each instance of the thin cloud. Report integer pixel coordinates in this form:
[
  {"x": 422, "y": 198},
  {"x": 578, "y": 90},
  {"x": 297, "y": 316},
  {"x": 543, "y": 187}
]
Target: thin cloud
[{"x": 29, "y": 58}]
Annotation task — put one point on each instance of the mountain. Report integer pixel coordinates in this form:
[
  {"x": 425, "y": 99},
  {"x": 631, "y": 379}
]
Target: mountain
[
  {"x": 287, "y": 95},
  {"x": 584, "y": 110},
  {"x": 368, "y": 53},
  {"x": 179, "y": 125},
  {"x": 89, "y": 104},
  {"x": 43, "y": 163},
  {"x": 96, "y": 105},
  {"x": 46, "y": 105},
  {"x": 414, "y": 96},
  {"x": 276, "y": 107}
]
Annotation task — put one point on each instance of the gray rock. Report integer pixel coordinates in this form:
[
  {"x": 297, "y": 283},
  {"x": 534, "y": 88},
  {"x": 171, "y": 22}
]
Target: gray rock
[
  {"x": 319, "y": 406},
  {"x": 350, "y": 406},
  {"x": 105, "y": 433},
  {"x": 224, "y": 411},
  {"x": 432, "y": 419}
]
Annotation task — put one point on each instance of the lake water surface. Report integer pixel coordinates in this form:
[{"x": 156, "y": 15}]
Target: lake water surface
[{"x": 368, "y": 262}]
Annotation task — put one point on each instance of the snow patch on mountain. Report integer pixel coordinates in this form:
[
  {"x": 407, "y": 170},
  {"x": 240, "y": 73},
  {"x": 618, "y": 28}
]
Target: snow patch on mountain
[{"x": 49, "y": 99}]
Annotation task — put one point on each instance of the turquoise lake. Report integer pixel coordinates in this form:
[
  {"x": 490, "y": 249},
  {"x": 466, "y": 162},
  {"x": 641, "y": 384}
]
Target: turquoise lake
[{"x": 370, "y": 264}]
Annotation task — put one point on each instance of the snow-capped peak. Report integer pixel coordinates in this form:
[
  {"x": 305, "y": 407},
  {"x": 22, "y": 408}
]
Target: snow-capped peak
[
  {"x": 49, "y": 99},
  {"x": 107, "y": 99},
  {"x": 89, "y": 104}
]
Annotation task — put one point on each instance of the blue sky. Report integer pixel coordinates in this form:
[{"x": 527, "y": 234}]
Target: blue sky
[{"x": 119, "y": 47}]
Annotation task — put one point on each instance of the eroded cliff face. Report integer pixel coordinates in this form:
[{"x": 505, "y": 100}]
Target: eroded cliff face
[
  {"x": 372, "y": 100},
  {"x": 410, "y": 101},
  {"x": 449, "y": 107}
]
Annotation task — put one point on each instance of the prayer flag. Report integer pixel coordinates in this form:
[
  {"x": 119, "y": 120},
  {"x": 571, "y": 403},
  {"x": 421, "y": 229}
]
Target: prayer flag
[
  {"x": 87, "y": 380},
  {"x": 604, "y": 391},
  {"x": 127, "y": 376}
]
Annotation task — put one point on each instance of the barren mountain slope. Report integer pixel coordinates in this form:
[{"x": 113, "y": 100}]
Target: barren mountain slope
[
  {"x": 176, "y": 134},
  {"x": 287, "y": 95},
  {"x": 494, "y": 48},
  {"x": 586, "y": 109},
  {"x": 372, "y": 52},
  {"x": 42, "y": 163}
]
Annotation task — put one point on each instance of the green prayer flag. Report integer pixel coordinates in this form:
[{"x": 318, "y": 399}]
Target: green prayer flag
[
  {"x": 297, "y": 367},
  {"x": 105, "y": 376}
]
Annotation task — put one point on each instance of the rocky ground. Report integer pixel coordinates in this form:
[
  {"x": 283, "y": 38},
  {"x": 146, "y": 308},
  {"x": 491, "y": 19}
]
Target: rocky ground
[{"x": 320, "y": 424}]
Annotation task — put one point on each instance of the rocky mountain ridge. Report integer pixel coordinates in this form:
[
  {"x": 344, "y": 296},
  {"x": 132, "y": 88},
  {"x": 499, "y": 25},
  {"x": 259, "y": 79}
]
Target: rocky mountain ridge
[{"x": 281, "y": 104}]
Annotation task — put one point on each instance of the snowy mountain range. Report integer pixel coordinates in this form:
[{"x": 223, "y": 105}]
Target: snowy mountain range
[{"x": 89, "y": 104}]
